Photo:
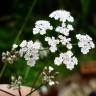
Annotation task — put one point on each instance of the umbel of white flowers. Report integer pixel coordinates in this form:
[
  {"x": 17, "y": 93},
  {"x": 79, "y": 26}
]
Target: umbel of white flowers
[
  {"x": 30, "y": 50},
  {"x": 63, "y": 30}
]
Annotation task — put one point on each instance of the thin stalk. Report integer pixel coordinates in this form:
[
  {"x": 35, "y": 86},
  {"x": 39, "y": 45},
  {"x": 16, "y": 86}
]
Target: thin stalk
[
  {"x": 19, "y": 90},
  {"x": 35, "y": 81},
  {"x": 26, "y": 19},
  {"x": 43, "y": 49},
  {"x": 7, "y": 92},
  {"x": 36, "y": 89}
]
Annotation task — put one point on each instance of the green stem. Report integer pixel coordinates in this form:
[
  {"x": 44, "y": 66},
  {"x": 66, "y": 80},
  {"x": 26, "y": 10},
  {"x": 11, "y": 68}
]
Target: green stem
[
  {"x": 3, "y": 69},
  {"x": 26, "y": 19},
  {"x": 36, "y": 79},
  {"x": 35, "y": 89},
  {"x": 27, "y": 72}
]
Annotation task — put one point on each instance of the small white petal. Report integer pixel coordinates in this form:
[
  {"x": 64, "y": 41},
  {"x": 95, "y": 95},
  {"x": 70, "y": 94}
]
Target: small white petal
[
  {"x": 58, "y": 61},
  {"x": 14, "y": 46},
  {"x": 69, "y": 46},
  {"x": 51, "y": 68},
  {"x": 51, "y": 83},
  {"x": 53, "y": 48},
  {"x": 23, "y": 44},
  {"x": 70, "y": 27}
]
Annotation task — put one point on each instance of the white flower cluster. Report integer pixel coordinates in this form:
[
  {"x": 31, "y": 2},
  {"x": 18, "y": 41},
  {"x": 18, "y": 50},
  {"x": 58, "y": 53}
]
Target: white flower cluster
[
  {"x": 30, "y": 51},
  {"x": 65, "y": 41},
  {"x": 63, "y": 29},
  {"x": 85, "y": 43},
  {"x": 49, "y": 76},
  {"x": 52, "y": 42},
  {"x": 15, "y": 82},
  {"x": 61, "y": 15},
  {"x": 68, "y": 59},
  {"x": 10, "y": 57},
  {"x": 41, "y": 27}
]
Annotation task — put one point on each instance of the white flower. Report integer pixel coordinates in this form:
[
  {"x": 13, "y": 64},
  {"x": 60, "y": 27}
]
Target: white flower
[
  {"x": 53, "y": 48},
  {"x": 58, "y": 61},
  {"x": 70, "y": 66},
  {"x": 14, "y": 46},
  {"x": 23, "y": 44},
  {"x": 67, "y": 54},
  {"x": 31, "y": 62},
  {"x": 12, "y": 78},
  {"x": 68, "y": 59},
  {"x": 85, "y": 43},
  {"x": 84, "y": 50},
  {"x": 63, "y": 24},
  {"x": 65, "y": 41},
  {"x": 41, "y": 27},
  {"x": 70, "y": 27},
  {"x": 70, "y": 62},
  {"x": 64, "y": 30},
  {"x": 30, "y": 44},
  {"x": 61, "y": 15},
  {"x": 50, "y": 69},
  {"x": 51, "y": 83},
  {"x": 70, "y": 19},
  {"x": 74, "y": 59},
  {"x": 52, "y": 42},
  {"x": 69, "y": 46},
  {"x": 36, "y": 45},
  {"x": 47, "y": 38},
  {"x": 22, "y": 51}
]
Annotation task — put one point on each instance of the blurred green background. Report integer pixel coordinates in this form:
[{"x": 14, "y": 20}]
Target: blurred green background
[{"x": 17, "y": 17}]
